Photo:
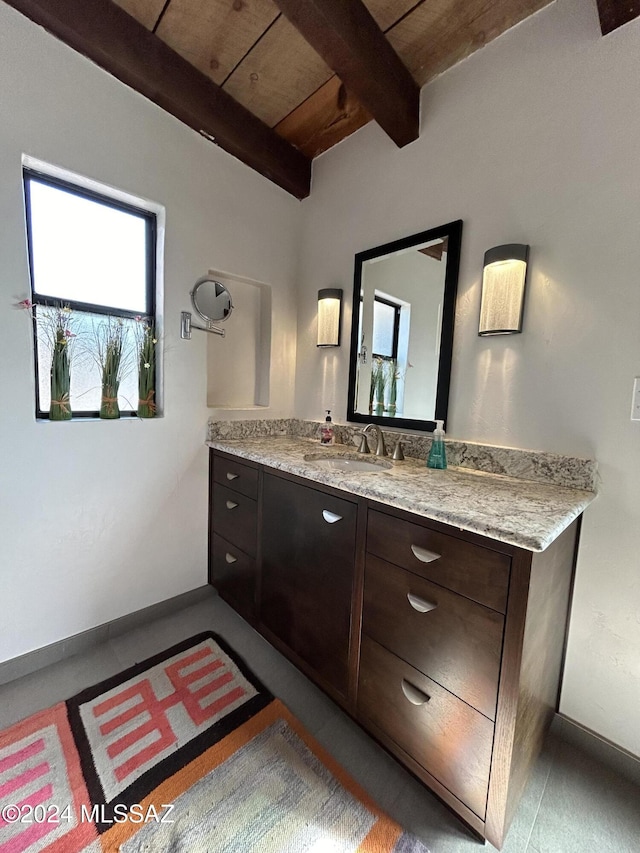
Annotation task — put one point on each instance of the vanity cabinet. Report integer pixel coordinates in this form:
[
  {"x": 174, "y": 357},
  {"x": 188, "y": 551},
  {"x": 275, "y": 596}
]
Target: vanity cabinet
[
  {"x": 307, "y": 575},
  {"x": 445, "y": 645}
]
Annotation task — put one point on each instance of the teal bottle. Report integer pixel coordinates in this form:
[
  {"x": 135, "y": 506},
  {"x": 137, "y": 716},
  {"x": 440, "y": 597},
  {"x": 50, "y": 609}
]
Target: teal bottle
[{"x": 437, "y": 454}]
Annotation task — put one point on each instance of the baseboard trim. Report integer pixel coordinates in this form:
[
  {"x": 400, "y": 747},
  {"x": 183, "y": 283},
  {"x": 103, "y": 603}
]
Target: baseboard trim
[
  {"x": 15, "y": 668},
  {"x": 616, "y": 757}
]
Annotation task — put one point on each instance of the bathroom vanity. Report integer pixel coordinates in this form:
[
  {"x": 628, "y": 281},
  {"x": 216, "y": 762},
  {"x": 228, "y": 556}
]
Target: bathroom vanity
[{"x": 431, "y": 605}]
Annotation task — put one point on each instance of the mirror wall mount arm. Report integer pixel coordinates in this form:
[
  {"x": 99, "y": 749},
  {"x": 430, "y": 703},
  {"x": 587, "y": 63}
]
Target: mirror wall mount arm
[{"x": 186, "y": 326}]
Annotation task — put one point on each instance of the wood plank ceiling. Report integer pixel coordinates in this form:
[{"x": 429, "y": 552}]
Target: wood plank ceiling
[
  {"x": 259, "y": 78},
  {"x": 251, "y": 50}
]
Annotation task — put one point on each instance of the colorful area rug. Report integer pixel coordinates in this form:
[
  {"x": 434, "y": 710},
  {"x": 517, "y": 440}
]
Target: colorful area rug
[{"x": 186, "y": 752}]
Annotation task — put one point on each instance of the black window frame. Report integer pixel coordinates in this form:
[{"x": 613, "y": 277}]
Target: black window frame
[{"x": 151, "y": 238}]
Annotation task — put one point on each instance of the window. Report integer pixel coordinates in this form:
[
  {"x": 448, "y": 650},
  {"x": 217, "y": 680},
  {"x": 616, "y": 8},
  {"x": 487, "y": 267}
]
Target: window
[
  {"x": 386, "y": 326},
  {"x": 94, "y": 256}
]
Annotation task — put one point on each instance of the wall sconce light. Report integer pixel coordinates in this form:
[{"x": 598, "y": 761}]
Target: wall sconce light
[
  {"x": 503, "y": 281},
  {"x": 329, "y": 316}
]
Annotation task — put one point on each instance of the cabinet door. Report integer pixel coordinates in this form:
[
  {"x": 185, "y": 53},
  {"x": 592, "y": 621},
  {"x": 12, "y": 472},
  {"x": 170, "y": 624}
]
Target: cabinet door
[{"x": 308, "y": 559}]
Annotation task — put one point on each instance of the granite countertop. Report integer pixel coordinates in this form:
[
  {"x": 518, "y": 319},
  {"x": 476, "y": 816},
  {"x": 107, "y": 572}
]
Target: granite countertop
[{"x": 516, "y": 511}]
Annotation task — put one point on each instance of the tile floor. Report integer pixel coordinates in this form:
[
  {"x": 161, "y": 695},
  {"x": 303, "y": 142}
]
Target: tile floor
[{"x": 573, "y": 804}]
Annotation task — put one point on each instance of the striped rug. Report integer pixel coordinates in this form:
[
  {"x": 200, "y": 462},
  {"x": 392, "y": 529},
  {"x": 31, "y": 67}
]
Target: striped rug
[{"x": 186, "y": 752}]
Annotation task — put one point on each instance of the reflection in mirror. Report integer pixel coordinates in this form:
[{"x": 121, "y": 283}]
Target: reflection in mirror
[
  {"x": 402, "y": 329},
  {"x": 211, "y": 300}
]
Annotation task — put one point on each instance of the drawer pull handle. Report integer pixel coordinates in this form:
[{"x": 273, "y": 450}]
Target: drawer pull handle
[
  {"x": 420, "y": 604},
  {"x": 231, "y": 504},
  {"x": 330, "y": 517},
  {"x": 230, "y": 558},
  {"x": 415, "y": 696},
  {"x": 231, "y": 476},
  {"x": 423, "y": 555}
]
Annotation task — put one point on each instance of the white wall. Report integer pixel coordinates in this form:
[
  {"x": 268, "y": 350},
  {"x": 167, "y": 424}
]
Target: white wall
[
  {"x": 98, "y": 519},
  {"x": 239, "y": 364},
  {"x": 533, "y": 139}
]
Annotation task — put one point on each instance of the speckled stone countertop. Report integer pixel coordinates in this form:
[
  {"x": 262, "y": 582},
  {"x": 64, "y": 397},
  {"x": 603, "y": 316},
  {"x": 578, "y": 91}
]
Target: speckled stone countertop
[{"x": 520, "y": 512}]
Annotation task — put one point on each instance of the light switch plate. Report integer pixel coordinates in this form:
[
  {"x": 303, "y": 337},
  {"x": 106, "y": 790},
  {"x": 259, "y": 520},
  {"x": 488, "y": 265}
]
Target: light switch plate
[{"x": 635, "y": 403}]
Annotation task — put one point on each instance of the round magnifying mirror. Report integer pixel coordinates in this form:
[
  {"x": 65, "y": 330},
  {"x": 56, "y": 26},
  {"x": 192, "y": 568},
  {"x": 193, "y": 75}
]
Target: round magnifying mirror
[{"x": 211, "y": 300}]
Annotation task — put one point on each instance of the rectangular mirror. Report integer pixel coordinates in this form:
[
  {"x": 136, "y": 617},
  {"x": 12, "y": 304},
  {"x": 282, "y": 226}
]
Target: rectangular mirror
[{"x": 402, "y": 329}]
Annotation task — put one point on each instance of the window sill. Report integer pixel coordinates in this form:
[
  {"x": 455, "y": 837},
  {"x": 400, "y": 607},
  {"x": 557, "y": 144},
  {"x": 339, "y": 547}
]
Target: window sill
[{"x": 90, "y": 419}]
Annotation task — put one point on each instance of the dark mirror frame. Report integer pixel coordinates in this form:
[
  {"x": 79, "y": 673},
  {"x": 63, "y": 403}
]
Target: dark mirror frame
[{"x": 452, "y": 230}]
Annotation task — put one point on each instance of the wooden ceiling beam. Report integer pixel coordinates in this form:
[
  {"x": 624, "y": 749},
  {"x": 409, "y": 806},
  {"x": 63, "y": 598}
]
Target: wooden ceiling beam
[
  {"x": 106, "y": 34},
  {"x": 615, "y": 13},
  {"x": 346, "y": 36}
]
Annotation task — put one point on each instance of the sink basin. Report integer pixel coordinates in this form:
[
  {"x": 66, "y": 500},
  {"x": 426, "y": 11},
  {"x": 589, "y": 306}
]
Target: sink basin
[{"x": 340, "y": 463}]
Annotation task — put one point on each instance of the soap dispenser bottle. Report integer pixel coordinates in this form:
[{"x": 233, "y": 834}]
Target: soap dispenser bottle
[
  {"x": 437, "y": 454},
  {"x": 326, "y": 430}
]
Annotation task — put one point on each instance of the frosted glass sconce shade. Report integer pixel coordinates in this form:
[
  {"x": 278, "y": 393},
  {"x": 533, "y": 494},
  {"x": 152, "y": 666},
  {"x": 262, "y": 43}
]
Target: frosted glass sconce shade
[
  {"x": 329, "y": 310},
  {"x": 503, "y": 282}
]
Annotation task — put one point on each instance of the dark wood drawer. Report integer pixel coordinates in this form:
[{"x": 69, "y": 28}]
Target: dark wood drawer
[
  {"x": 479, "y": 573},
  {"x": 233, "y": 573},
  {"x": 241, "y": 478},
  {"x": 449, "y": 638},
  {"x": 235, "y": 518},
  {"x": 443, "y": 734}
]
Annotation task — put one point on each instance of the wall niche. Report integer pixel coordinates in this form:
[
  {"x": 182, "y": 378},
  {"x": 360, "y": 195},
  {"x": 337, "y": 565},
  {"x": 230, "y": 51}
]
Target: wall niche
[{"x": 238, "y": 365}]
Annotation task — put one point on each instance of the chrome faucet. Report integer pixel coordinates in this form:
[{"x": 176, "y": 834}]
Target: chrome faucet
[{"x": 381, "y": 450}]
